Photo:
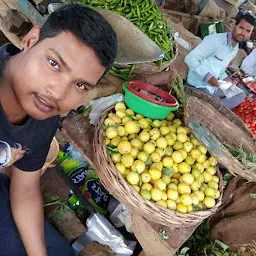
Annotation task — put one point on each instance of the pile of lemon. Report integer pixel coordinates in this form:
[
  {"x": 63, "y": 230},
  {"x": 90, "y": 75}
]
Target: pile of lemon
[{"x": 162, "y": 160}]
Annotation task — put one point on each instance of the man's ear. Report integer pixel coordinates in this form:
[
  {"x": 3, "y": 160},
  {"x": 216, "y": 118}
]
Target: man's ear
[{"x": 31, "y": 38}]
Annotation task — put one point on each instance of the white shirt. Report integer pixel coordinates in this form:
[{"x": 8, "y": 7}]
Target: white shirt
[{"x": 249, "y": 64}]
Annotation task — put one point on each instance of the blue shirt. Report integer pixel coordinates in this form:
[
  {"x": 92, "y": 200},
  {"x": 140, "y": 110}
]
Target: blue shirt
[{"x": 210, "y": 58}]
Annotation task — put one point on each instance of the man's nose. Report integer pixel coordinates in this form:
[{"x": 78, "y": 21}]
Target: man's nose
[{"x": 58, "y": 90}]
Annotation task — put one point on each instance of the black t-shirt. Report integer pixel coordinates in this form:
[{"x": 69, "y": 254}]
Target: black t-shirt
[{"x": 26, "y": 146}]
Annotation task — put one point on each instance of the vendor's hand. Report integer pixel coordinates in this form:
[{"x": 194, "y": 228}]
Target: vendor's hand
[
  {"x": 227, "y": 79},
  {"x": 213, "y": 81}
]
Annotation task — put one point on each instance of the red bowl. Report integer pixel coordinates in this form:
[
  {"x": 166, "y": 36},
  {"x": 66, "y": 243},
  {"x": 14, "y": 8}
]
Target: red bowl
[{"x": 133, "y": 85}]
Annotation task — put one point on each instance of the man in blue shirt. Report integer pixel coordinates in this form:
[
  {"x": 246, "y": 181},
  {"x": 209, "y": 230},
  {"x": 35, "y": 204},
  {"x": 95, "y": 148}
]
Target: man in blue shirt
[{"x": 208, "y": 61}]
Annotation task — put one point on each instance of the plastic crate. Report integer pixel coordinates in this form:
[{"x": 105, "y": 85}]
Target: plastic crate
[{"x": 211, "y": 28}]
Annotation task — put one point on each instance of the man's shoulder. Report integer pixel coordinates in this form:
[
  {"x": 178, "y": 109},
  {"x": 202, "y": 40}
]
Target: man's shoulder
[{"x": 217, "y": 37}]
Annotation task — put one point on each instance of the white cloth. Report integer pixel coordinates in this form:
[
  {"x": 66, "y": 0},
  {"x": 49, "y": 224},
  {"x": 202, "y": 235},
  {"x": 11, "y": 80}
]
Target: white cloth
[
  {"x": 249, "y": 64},
  {"x": 5, "y": 154}
]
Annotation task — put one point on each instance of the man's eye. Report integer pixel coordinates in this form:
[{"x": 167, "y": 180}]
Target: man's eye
[
  {"x": 53, "y": 63},
  {"x": 81, "y": 86}
]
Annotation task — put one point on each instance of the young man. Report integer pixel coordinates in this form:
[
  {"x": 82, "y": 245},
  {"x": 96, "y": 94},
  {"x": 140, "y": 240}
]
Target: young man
[
  {"x": 249, "y": 64},
  {"x": 53, "y": 74},
  {"x": 208, "y": 61}
]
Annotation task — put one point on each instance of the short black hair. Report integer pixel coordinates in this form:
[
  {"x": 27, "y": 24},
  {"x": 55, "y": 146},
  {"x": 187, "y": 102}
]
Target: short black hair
[
  {"x": 245, "y": 15},
  {"x": 88, "y": 26}
]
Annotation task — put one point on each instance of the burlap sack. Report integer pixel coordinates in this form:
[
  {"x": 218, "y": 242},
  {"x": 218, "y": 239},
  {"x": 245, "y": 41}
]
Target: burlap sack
[
  {"x": 186, "y": 6},
  {"x": 250, "y": 6},
  {"x": 234, "y": 223},
  {"x": 212, "y": 10}
]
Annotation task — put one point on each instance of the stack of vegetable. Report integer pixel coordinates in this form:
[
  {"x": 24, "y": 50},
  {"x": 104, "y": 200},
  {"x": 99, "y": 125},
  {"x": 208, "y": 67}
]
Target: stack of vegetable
[
  {"x": 147, "y": 16},
  {"x": 247, "y": 112}
]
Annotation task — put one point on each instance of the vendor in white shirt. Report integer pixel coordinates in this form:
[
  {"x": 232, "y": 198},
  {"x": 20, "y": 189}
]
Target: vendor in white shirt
[{"x": 249, "y": 64}]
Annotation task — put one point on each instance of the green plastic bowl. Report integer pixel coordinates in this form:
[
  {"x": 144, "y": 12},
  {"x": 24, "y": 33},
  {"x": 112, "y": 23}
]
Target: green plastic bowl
[{"x": 144, "y": 107}]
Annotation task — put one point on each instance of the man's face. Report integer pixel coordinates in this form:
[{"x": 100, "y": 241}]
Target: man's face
[
  {"x": 55, "y": 75},
  {"x": 242, "y": 31}
]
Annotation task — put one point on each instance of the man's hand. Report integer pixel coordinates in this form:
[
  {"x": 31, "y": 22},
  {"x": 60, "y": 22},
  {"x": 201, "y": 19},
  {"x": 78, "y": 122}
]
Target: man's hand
[
  {"x": 213, "y": 81},
  {"x": 27, "y": 210}
]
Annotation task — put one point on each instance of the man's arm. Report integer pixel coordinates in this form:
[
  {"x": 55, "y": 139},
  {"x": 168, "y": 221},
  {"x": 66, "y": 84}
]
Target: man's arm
[
  {"x": 194, "y": 59},
  {"x": 27, "y": 210},
  {"x": 249, "y": 64}
]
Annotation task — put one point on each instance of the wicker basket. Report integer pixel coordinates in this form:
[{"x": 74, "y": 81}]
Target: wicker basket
[
  {"x": 114, "y": 182},
  {"x": 151, "y": 68}
]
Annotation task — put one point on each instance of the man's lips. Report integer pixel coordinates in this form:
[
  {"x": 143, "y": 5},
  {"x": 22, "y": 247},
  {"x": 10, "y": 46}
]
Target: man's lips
[{"x": 44, "y": 104}]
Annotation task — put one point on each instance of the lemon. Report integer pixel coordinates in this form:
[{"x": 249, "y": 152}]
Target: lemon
[
  {"x": 172, "y": 194},
  {"x": 213, "y": 184},
  {"x": 184, "y": 188},
  {"x": 139, "y": 116},
  {"x": 136, "y": 143},
  {"x": 111, "y": 132},
  {"x": 145, "y": 177},
  {"x": 177, "y": 121},
  {"x": 133, "y": 178},
  {"x": 186, "y": 199},
  {"x": 116, "y": 119},
  {"x": 211, "y": 170},
  {"x": 188, "y": 178},
  {"x": 116, "y": 141},
  {"x": 155, "y": 157},
  {"x": 156, "y": 123},
  {"x": 129, "y": 112},
  {"x": 200, "y": 195},
  {"x": 107, "y": 141},
  {"x": 145, "y": 194},
  {"x": 136, "y": 188},
  {"x": 190, "y": 208},
  {"x": 167, "y": 162},
  {"x": 146, "y": 186},
  {"x": 213, "y": 161},
  {"x": 195, "y": 153},
  {"x": 162, "y": 203},
  {"x": 195, "y": 199},
  {"x": 143, "y": 123},
  {"x": 164, "y": 196},
  {"x": 160, "y": 151},
  {"x": 177, "y": 145},
  {"x": 126, "y": 172},
  {"x": 166, "y": 179},
  {"x": 215, "y": 179},
  {"x": 171, "y": 205},
  {"x": 188, "y": 146},
  {"x": 195, "y": 185},
  {"x": 182, "y": 137},
  {"x": 201, "y": 159},
  {"x": 154, "y": 134},
  {"x": 121, "y": 168},
  {"x": 127, "y": 160},
  {"x": 178, "y": 200},
  {"x": 152, "y": 142},
  {"x": 172, "y": 128},
  {"x": 181, "y": 130},
  {"x": 200, "y": 178},
  {"x": 175, "y": 181},
  {"x": 143, "y": 156},
  {"x": 201, "y": 205},
  {"x": 109, "y": 121},
  {"x": 161, "y": 142},
  {"x": 199, "y": 166},
  {"x": 134, "y": 152},
  {"x": 170, "y": 117},
  {"x": 172, "y": 186},
  {"x": 131, "y": 127},
  {"x": 187, "y": 130},
  {"x": 155, "y": 174},
  {"x": 121, "y": 114},
  {"x": 202, "y": 149},
  {"x": 164, "y": 130},
  {"x": 181, "y": 208},
  {"x": 132, "y": 136},
  {"x": 149, "y": 120},
  {"x": 124, "y": 138},
  {"x": 206, "y": 164},
  {"x": 124, "y": 147},
  {"x": 160, "y": 184},
  {"x": 144, "y": 136},
  {"x": 116, "y": 157},
  {"x": 177, "y": 157},
  {"x": 207, "y": 176},
  {"x": 209, "y": 192},
  {"x": 175, "y": 168},
  {"x": 156, "y": 194},
  {"x": 217, "y": 194},
  {"x": 183, "y": 152},
  {"x": 138, "y": 166},
  {"x": 149, "y": 148},
  {"x": 209, "y": 202},
  {"x": 195, "y": 142},
  {"x": 190, "y": 160},
  {"x": 184, "y": 168},
  {"x": 196, "y": 173},
  {"x": 163, "y": 123},
  {"x": 126, "y": 119},
  {"x": 120, "y": 106},
  {"x": 203, "y": 187},
  {"x": 168, "y": 151},
  {"x": 158, "y": 165}
]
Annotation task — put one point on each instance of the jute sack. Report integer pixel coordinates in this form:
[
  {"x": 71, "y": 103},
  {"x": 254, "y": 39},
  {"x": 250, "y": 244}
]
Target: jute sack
[{"x": 212, "y": 10}]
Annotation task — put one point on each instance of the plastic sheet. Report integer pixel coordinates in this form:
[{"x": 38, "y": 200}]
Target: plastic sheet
[{"x": 229, "y": 89}]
